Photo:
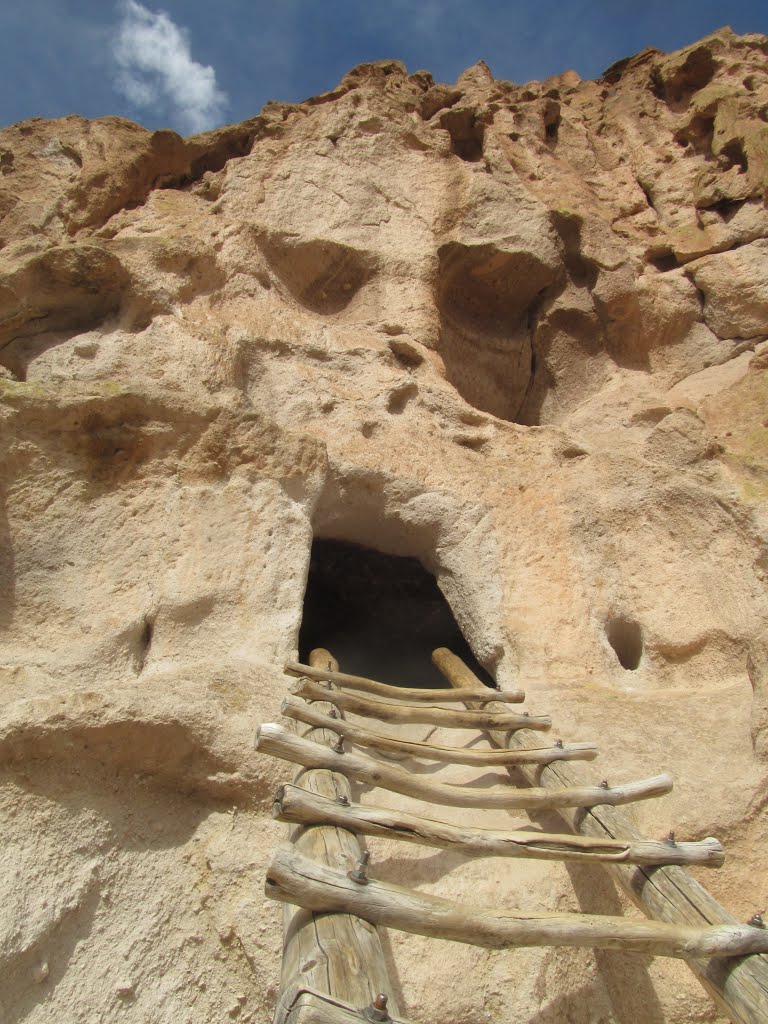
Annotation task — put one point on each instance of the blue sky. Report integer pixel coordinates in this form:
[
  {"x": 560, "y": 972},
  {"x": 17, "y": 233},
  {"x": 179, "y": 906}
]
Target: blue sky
[{"x": 199, "y": 64}]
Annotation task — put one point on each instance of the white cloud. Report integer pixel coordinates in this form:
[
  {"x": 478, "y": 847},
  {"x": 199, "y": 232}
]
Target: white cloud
[{"x": 156, "y": 70}]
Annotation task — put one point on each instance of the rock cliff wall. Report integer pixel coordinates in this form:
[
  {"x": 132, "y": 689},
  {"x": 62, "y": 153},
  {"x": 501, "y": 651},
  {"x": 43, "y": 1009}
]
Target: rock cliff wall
[{"x": 517, "y": 332}]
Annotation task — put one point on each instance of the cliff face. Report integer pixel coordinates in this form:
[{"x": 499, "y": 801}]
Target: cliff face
[{"x": 518, "y": 332}]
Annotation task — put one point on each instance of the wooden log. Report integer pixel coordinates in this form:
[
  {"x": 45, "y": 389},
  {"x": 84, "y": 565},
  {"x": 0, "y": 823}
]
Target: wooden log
[
  {"x": 294, "y": 805},
  {"x": 739, "y": 988},
  {"x": 275, "y": 740},
  {"x": 337, "y": 954},
  {"x": 428, "y": 696},
  {"x": 319, "y": 1008},
  {"x": 293, "y": 707},
  {"x": 416, "y": 714},
  {"x": 323, "y": 889}
]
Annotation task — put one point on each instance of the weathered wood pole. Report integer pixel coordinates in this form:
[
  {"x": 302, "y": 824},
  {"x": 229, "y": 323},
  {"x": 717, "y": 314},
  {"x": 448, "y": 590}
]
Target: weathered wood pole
[
  {"x": 739, "y": 986},
  {"x": 338, "y": 955},
  {"x": 293, "y": 877}
]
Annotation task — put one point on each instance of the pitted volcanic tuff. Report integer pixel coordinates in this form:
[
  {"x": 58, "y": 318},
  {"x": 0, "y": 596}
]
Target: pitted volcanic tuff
[{"x": 519, "y": 332}]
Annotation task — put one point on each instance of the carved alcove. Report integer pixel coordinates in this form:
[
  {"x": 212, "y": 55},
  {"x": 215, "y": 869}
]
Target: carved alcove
[{"x": 380, "y": 615}]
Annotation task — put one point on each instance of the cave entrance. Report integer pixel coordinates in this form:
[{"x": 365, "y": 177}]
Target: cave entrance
[{"x": 381, "y": 616}]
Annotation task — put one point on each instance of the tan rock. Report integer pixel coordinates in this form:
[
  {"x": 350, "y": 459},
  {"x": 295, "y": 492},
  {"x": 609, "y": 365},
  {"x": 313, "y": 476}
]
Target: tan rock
[
  {"x": 514, "y": 331},
  {"x": 735, "y": 288}
]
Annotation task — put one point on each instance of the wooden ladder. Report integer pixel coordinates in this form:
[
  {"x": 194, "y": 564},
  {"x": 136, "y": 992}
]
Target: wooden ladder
[{"x": 335, "y": 969}]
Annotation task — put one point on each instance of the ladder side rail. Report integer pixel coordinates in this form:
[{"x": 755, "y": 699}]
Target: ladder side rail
[
  {"x": 338, "y": 955},
  {"x": 739, "y": 987}
]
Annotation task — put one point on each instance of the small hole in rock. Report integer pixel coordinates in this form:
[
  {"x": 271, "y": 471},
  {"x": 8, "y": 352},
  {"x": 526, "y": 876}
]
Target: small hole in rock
[
  {"x": 726, "y": 208},
  {"x": 583, "y": 271},
  {"x": 663, "y": 261},
  {"x": 552, "y": 121},
  {"x": 698, "y": 134},
  {"x": 406, "y": 353},
  {"x": 678, "y": 86},
  {"x": 573, "y": 451},
  {"x": 735, "y": 155},
  {"x": 322, "y": 275},
  {"x": 144, "y": 643},
  {"x": 647, "y": 192},
  {"x": 626, "y": 638},
  {"x": 400, "y": 398}
]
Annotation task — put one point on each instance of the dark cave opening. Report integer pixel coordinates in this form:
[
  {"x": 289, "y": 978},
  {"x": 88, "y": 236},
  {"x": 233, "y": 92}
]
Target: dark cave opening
[
  {"x": 381, "y": 616},
  {"x": 466, "y": 132}
]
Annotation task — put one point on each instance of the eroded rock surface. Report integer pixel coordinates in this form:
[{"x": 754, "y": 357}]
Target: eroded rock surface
[{"x": 517, "y": 331}]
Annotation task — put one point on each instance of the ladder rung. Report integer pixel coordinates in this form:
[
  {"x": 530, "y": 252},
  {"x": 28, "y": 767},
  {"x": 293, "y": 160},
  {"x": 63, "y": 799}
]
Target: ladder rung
[
  {"x": 296, "y": 805},
  {"x": 417, "y": 714},
  {"x": 300, "y": 711},
  {"x": 292, "y": 878},
  {"x": 279, "y": 742}
]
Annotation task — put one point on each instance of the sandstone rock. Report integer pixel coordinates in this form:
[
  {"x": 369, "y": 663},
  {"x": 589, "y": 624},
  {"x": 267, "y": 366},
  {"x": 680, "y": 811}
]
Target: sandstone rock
[
  {"x": 514, "y": 331},
  {"x": 735, "y": 288}
]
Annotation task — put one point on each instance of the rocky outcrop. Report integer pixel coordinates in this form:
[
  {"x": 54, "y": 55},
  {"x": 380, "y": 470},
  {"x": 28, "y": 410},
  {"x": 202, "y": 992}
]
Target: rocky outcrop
[{"x": 519, "y": 332}]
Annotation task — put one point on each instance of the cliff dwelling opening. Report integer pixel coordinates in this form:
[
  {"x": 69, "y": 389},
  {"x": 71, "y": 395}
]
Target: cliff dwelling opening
[
  {"x": 626, "y": 638},
  {"x": 380, "y": 615},
  {"x": 466, "y": 132}
]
